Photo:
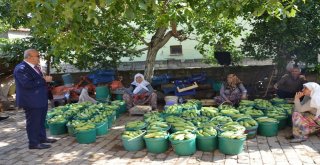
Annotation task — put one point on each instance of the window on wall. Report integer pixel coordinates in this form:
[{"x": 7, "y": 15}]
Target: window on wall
[{"x": 175, "y": 50}]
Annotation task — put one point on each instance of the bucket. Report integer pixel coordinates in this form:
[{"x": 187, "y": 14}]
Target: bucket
[
  {"x": 87, "y": 136},
  {"x": 157, "y": 145},
  {"x": 57, "y": 128},
  {"x": 135, "y": 144},
  {"x": 250, "y": 131},
  {"x": 184, "y": 147},
  {"x": 216, "y": 86},
  {"x": 170, "y": 100},
  {"x": 199, "y": 106},
  {"x": 70, "y": 129},
  {"x": 101, "y": 128},
  {"x": 231, "y": 146},
  {"x": 123, "y": 108},
  {"x": 268, "y": 129},
  {"x": 67, "y": 79},
  {"x": 102, "y": 92},
  {"x": 282, "y": 123},
  {"x": 118, "y": 112},
  {"x": 110, "y": 120},
  {"x": 207, "y": 143},
  {"x": 119, "y": 97}
]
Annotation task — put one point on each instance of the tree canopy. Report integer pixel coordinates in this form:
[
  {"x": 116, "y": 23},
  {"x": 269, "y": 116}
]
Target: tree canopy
[
  {"x": 290, "y": 38},
  {"x": 93, "y": 32}
]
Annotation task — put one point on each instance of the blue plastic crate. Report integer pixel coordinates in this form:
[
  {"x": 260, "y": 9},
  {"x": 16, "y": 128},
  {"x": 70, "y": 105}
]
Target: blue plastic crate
[
  {"x": 161, "y": 79},
  {"x": 104, "y": 79},
  {"x": 102, "y": 76},
  {"x": 185, "y": 93},
  {"x": 105, "y": 72},
  {"x": 183, "y": 84},
  {"x": 199, "y": 78},
  {"x": 168, "y": 90}
]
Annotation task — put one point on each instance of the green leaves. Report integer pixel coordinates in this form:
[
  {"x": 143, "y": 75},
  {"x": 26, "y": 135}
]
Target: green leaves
[
  {"x": 84, "y": 32},
  {"x": 295, "y": 35},
  {"x": 142, "y": 5},
  {"x": 292, "y": 13},
  {"x": 259, "y": 11}
]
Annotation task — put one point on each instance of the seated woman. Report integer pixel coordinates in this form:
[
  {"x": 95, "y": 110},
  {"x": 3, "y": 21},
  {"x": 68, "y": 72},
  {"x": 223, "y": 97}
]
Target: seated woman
[
  {"x": 305, "y": 118},
  {"x": 231, "y": 91},
  {"x": 291, "y": 83},
  {"x": 139, "y": 93}
]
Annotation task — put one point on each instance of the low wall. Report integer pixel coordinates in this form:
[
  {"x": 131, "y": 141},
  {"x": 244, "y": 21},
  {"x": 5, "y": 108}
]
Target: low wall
[{"x": 248, "y": 74}]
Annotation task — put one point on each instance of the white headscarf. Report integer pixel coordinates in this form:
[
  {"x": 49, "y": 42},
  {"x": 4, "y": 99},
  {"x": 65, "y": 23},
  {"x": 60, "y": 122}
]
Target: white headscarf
[
  {"x": 139, "y": 86},
  {"x": 315, "y": 95},
  {"x": 84, "y": 96}
]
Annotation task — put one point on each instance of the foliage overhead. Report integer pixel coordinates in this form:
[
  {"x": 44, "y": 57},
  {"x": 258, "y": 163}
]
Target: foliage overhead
[
  {"x": 290, "y": 38},
  {"x": 86, "y": 33}
]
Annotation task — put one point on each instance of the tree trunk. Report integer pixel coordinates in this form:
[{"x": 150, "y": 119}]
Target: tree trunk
[
  {"x": 158, "y": 40},
  {"x": 149, "y": 66}
]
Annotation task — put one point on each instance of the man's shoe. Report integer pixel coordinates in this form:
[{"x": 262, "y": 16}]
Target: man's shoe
[
  {"x": 40, "y": 146},
  {"x": 2, "y": 118},
  {"x": 49, "y": 141}
]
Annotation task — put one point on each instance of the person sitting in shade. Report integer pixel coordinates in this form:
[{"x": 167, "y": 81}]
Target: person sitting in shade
[
  {"x": 291, "y": 83},
  {"x": 140, "y": 93},
  {"x": 232, "y": 91}
]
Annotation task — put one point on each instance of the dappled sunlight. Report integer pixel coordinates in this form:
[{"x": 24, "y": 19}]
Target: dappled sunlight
[
  {"x": 12, "y": 141},
  {"x": 21, "y": 123},
  {"x": 64, "y": 157},
  {"x": 94, "y": 156},
  {"x": 3, "y": 144},
  {"x": 9, "y": 130},
  {"x": 118, "y": 127}
]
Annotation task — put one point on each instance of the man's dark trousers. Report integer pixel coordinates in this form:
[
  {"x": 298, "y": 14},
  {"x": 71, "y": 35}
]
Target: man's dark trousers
[{"x": 36, "y": 124}]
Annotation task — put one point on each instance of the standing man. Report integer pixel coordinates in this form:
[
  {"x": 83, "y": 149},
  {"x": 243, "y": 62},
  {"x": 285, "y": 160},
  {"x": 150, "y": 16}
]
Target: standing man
[{"x": 32, "y": 96}]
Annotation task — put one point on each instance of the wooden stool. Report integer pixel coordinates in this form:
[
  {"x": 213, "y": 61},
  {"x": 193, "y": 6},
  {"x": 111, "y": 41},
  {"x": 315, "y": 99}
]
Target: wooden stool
[{"x": 208, "y": 102}]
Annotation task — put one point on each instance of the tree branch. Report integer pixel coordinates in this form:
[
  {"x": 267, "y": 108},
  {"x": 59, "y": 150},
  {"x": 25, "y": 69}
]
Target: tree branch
[
  {"x": 136, "y": 34},
  {"x": 160, "y": 32},
  {"x": 164, "y": 40},
  {"x": 143, "y": 49},
  {"x": 120, "y": 48},
  {"x": 157, "y": 37},
  {"x": 194, "y": 39},
  {"x": 180, "y": 36}
]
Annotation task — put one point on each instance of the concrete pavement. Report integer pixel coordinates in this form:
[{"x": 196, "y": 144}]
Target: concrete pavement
[{"x": 109, "y": 150}]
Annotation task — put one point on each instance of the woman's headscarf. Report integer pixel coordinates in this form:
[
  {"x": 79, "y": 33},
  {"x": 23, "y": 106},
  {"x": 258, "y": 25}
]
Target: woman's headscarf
[
  {"x": 315, "y": 95},
  {"x": 235, "y": 81},
  {"x": 139, "y": 86}
]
